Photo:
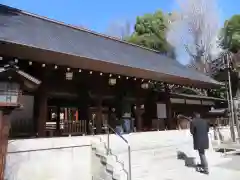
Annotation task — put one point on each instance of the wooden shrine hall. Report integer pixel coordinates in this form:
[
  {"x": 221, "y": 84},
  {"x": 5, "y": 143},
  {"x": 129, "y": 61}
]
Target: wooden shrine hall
[{"x": 84, "y": 74}]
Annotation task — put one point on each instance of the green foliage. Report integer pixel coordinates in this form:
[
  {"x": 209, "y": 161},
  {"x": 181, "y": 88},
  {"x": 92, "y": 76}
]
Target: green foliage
[
  {"x": 150, "y": 31},
  {"x": 231, "y": 34},
  {"x": 218, "y": 93}
]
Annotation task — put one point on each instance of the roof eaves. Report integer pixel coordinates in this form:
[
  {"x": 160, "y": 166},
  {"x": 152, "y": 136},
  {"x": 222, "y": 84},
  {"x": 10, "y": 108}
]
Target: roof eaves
[
  {"x": 210, "y": 81},
  {"x": 198, "y": 96}
]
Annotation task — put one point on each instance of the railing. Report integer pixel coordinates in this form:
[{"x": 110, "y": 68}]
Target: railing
[
  {"x": 74, "y": 127},
  {"x": 67, "y": 127},
  {"x": 108, "y": 128}
]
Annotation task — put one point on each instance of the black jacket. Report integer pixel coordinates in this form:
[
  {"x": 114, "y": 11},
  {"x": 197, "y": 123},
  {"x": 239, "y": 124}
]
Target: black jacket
[{"x": 199, "y": 129}]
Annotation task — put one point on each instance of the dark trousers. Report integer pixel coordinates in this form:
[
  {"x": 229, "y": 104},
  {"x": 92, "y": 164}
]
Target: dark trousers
[{"x": 203, "y": 159}]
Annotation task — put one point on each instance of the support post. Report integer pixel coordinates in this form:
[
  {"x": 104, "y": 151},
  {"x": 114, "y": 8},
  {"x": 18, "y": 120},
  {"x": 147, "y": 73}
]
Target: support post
[
  {"x": 231, "y": 101},
  {"x": 42, "y": 114},
  {"x": 4, "y": 132},
  {"x": 237, "y": 120},
  {"x": 99, "y": 115},
  {"x": 138, "y": 119},
  {"x": 237, "y": 110},
  {"x": 168, "y": 106}
]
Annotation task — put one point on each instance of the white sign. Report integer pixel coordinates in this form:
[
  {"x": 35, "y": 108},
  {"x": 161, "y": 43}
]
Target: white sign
[
  {"x": 210, "y": 103},
  {"x": 191, "y": 101},
  {"x": 177, "y": 100},
  {"x": 161, "y": 111}
]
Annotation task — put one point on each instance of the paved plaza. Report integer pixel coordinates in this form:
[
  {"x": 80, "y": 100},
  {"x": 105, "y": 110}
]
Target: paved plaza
[
  {"x": 154, "y": 157},
  {"x": 163, "y": 165}
]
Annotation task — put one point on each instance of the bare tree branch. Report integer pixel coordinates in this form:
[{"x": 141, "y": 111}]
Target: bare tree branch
[
  {"x": 189, "y": 52},
  {"x": 196, "y": 30}
]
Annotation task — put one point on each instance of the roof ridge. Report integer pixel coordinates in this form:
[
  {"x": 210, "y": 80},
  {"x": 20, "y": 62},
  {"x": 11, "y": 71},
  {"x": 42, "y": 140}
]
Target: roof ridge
[{"x": 81, "y": 29}]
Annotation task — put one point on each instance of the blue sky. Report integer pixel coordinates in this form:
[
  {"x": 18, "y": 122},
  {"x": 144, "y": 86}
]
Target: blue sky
[{"x": 99, "y": 14}]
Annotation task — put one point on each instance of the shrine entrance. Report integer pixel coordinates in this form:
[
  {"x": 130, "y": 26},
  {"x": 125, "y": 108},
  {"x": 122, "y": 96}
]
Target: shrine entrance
[
  {"x": 65, "y": 117},
  {"x": 98, "y": 118}
]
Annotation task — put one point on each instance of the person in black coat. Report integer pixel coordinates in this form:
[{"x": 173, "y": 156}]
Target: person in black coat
[
  {"x": 199, "y": 129},
  {"x": 115, "y": 122},
  {"x": 112, "y": 118}
]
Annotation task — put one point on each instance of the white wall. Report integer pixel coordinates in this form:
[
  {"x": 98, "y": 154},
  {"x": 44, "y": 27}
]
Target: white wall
[{"x": 60, "y": 164}]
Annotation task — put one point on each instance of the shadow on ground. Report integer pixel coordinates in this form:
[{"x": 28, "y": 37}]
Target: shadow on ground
[{"x": 189, "y": 161}]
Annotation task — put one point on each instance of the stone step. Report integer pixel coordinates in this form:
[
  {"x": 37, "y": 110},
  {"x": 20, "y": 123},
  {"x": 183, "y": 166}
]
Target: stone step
[
  {"x": 165, "y": 167},
  {"x": 149, "y": 162},
  {"x": 154, "y": 156}
]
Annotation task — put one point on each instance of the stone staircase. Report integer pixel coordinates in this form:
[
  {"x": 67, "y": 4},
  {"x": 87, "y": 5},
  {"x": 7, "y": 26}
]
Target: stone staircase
[
  {"x": 106, "y": 165},
  {"x": 153, "y": 156}
]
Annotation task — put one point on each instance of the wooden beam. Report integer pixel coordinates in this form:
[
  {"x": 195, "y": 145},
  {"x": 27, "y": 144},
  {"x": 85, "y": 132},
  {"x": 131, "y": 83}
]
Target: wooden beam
[
  {"x": 168, "y": 106},
  {"x": 41, "y": 103},
  {"x": 99, "y": 115}
]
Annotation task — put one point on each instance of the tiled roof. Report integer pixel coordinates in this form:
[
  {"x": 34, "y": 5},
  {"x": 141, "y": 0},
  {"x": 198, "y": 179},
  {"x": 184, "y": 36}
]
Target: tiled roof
[{"x": 31, "y": 30}]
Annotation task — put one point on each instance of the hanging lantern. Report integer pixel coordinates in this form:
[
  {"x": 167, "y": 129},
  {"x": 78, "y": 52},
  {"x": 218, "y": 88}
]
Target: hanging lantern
[
  {"x": 10, "y": 92},
  {"x": 112, "y": 81},
  {"x": 69, "y": 75},
  {"x": 145, "y": 85}
]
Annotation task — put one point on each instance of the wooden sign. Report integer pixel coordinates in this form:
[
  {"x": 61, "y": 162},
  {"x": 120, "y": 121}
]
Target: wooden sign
[{"x": 161, "y": 111}]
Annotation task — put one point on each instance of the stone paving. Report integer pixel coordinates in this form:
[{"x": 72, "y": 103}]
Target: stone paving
[
  {"x": 165, "y": 166},
  {"x": 161, "y": 163}
]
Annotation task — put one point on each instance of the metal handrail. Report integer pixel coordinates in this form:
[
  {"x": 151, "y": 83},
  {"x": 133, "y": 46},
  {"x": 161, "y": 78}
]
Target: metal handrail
[{"x": 129, "y": 148}]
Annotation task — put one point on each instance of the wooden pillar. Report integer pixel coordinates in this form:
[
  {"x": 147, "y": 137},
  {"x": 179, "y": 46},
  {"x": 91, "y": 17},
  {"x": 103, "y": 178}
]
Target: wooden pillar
[
  {"x": 99, "y": 115},
  {"x": 138, "y": 113},
  {"x": 42, "y": 113},
  {"x": 4, "y": 132},
  {"x": 58, "y": 130},
  {"x": 168, "y": 107}
]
